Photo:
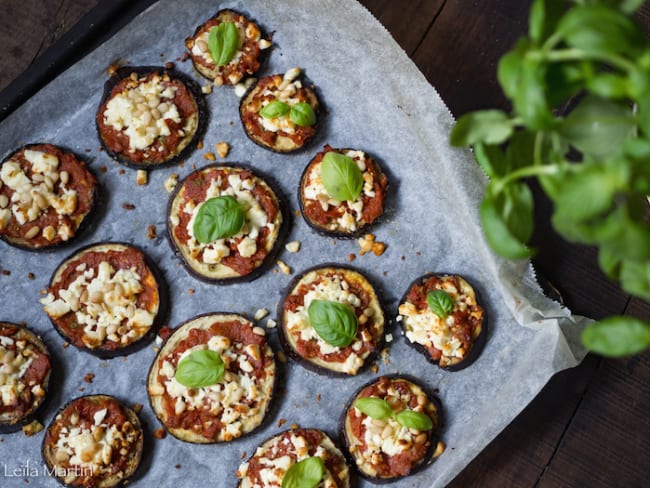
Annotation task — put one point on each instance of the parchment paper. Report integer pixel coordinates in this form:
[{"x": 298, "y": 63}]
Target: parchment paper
[{"x": 377, "y": 101}]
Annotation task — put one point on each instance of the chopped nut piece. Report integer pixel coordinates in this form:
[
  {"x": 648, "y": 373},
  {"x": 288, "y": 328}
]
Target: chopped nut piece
[
  {"x": 89, "y": 378},
  {"x": 171, "y": 182},
  {"x": 295, "y": 426},
  {"x": 440, "y": 448},
  {"x": 261, "y": 313},
  {"x": 270, "y": 324},
  {"x": 281, "y": 422},
  {"x": 223, "y": 148},
  {"x": 293, "y": 246},
  {"x": 199, "y": 145},
  {"x": 65, "y": 345},
  {"x": 374, "y": 368},
  {"x": 206, "y": 89},
  {"x": 32, "y": 428},
  {"x": 141, "y": 177},
  {"x": 283, "y": 267},
  {"x": 367, "y": 244},
  {"x": 151, "y": 232},
  {"x": 210, "y": 156},
  {"x": 159, "y": 433}
]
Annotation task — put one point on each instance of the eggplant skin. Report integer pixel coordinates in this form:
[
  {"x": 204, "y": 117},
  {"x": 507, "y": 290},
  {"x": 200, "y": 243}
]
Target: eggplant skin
[
  {"x": 248, "y": 113},
  {"x": 76, "y": 473},
  {"x": 189, "y": 142},
  {"x": 84, "y": 221},
  {"x": 224, "y": 275},
  {"x": 335, "y": 458},
  {"x": 11, "y": 422},
  {"x": 156, "y": 390},
  {"x": 163, "y": 301},
  {"x": 255, "y": 55},
  {"x": 435, "y": 449},
  {"x": 316, "y": 365},
  {"x": 478, "y": 340},
  {"x": 335, "y": 229}
]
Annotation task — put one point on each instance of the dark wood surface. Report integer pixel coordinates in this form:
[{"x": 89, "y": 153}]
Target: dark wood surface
[{"x": 590, "y": 426}]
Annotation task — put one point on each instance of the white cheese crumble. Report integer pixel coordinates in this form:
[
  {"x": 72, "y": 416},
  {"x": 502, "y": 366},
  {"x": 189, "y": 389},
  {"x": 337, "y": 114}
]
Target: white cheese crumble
[
  {"x": 255, "y": 219},
  {"x": 104, "y": 303},
  {"x": 14, "y": 362},
  {"x": 33, "y": 196},
  {"x": 141, "y": 112},
  {"x": 351, "y": 211},
  {"x": 331, "y": 288}
]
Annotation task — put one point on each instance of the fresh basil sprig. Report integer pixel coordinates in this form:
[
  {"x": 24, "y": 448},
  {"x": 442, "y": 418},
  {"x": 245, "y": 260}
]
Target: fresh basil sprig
[
  {"x": 440, "y": 303},
  {"x": 590, "y": 157},
  {"x": 307, "y": 473},
  {"x": 380, "y": 409},
  {"x": 341, "y": 176},
  {"x": 218, "y": 218},
  {"x": 336, "y": 323},
  {"x": 275, "y": 109},
  {"x": 302, "y": 114},
  {"x": 199, "y": 369},
  {"x": 223, "y": 42}
]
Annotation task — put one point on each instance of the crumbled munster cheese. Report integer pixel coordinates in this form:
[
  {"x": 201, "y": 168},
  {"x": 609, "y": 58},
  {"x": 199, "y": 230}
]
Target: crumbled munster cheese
[{"x": 13, "y": 365}]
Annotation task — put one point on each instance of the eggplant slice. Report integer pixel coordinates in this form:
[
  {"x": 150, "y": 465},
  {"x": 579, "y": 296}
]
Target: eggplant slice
[
  {"x": 342, "y": 219},
  {"x": 46, "y": 196},
  {"x": 25, "y": 369},
  {"x": 273, "y": 458},
  {"x": 150, "y": 116},
  {"x": 243, "y": 256},
  {"x": 107, "y": 299},
  {"x": 385, "y": 450},
  {"x": 93, "y": 441},
  {"x": 234, "y": 406},
  {"x": 281, "y": 133},
  {"x": 252, "y": 47},
  {"x": 454, "y": 342},
  {"x": 301, "y": 341}
]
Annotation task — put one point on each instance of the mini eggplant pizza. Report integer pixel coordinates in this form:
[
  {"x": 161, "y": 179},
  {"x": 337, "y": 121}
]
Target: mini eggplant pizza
[
  {"x": 25, "y": 369},
  {"x": 331, "y": 320},
  {"x": 150, "y": 116},
  {"x": 46, "y": 194},
  {"x": 227, "y": 48},
  {"x": 293, "y": 457},
  {"x": 94, "y": 441},
  {"x": 280, "y": 112},
  {"x": 342, "y": 192},
  {"x": 226, "y": 223},
  {"x": 213, "y": 379},
  {"x": 390, "y": 429},
  {"x": 107, "y": 299},
  {"x": 441, "y": 317}
]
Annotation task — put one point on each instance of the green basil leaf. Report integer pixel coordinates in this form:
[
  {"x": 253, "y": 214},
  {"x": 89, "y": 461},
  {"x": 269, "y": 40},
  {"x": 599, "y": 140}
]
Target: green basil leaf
[
  {"x": 625, "y": 6},
  {"x": 341, "y": 176},
  {"x": 565, "y": 80},
  {"x": 635, "y": 278},
  {"x": 643, "y": 116},
  {"x": 218, "y": 218},
  {"x": 617, "y": 336},
  {"x": 530, "y": 98},
  {"x": 274, "y": 109},
  {"x": 608, "y": 85},
  {"x": 307, "y": 473},
  {"x": 510, "y": 67},
  {"x": 440, "y": 303},
  {"x": 487, "y": 126},
  {"x": 414, "y": 420},
  {"x": 199, "y": 369},
  {"x": 223, "y": 43},
  {"x": 610, "y": 263},
  {"x": 376, "y": 408},
  {"x": 491, "y": 159},
  {"x": 597, "y": 126},
  {"x": 601, "y": 31},
  {"x": 302, "y": 114},
  {"x": 334, "y": 322},
  {"x": 544, "y": 15}
]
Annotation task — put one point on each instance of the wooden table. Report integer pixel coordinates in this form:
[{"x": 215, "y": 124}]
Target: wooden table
[{"x": 590, "y": 426}]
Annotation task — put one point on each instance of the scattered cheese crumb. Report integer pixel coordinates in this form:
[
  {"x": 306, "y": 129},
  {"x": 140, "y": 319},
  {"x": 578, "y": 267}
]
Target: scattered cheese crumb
[
  {"x": 261, "y": 313},
  {"x": 159, "y": 433},
  {"x": 374, "y": 368},
  {"x": 293, "y": 246},
  {"x": 389, "y": 337},
  {"x": 199, "y": 145},
  {"x": 32, "y": 428},
  {"x": 283, "y": 267},
  {"x": 141, "y": 177},
  {"x": 151, "y": 232},
  {"x": 295, "y": 426},
  {"x": 206, "y": 89},
  {"x": 270, "y": 324},
  {"x": 367, "y": 244},
  {"x": 209, "y": 156},
  {"x": 223, "y": 148},
  {"x": 171, "y": 182}
]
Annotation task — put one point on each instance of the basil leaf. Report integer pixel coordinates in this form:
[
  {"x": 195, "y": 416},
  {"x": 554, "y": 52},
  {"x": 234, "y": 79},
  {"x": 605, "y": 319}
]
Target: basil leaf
[
  {"x": 491, "y": 159},
  {"x": 218, "y": 218},
  {"x": 302, "y": 114},
  {"x": 274, "y": 109},
  {"x": 543, "y": 18},
  {"x": 617, "y": 336},
  {"x": 334, "y": 322},
  {"x": 199, "y": 369},
  {"x": 635, "y": 278},
  {"x": 414, "y": 420},
  {"x": 223, "y": 42},
  {"x": 307, "y": 473},
  {"x": 440, "y": 303},
  {"x": 376, "y": 408},
  {"x": 487, "y": 126},
  {"x": 341, "y": 176}
]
